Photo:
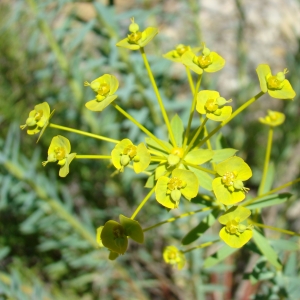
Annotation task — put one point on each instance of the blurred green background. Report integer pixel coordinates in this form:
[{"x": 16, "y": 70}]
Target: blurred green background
[{"x": 47, "y": 224}]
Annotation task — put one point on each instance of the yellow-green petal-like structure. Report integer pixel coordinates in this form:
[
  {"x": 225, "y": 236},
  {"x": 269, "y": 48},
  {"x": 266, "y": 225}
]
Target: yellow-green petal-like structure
[
  {"x": 38, "y": 119},
  {"x": 235, "y": 234},
  {"x": 276, "y": 85},
  {"x": 169, "y": 190},
  {"x": 104, "y": 87},
  {"x": 174, "y": 257},
  {"x": 59, "y": 150},
  {"x": 208, "y": 61},
  {"x": 210, "y": 103},
  {"x": 229, "y": 188},
  {"x": 136, "y": 39},
  {"x": 125, "y": 152},
  {"x": 273, "y": 119}
]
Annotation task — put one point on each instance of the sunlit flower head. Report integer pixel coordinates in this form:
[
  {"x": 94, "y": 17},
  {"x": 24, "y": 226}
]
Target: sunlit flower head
[
  {"x": 137, "y": 39},
  {"x": 169, "y": 190},
  {"x": 59, "y": 151},
  {"x": 174, "y": 257},
  {"x": 104, "y": 87},
  {"x": 176, "y": 54},
  {"x": 38, "y": 119},
  {"x": 207, "y": 61},
  {"x": 274, "y": 118},
  {"x": 210, "y": 103},
  {"x": 234, "y": 233},
  {"x": 229, "y": 187},
  {"x": 125, "y": 152},
  {"x": 276, "y": 85}
]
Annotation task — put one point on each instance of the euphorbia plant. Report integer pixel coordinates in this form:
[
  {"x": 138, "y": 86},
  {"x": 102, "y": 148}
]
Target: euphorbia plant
[{"x": 185, "y": 161}]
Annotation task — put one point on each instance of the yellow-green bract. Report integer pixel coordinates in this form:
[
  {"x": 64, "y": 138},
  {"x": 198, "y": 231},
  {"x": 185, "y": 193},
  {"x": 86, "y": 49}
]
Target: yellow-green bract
[
  {"x": 38, "y": 119},
  {"x": 210, "y": 103},
  {"x": 235, "y": 234},
  {"x": 274, "y": 118},
  {"x": 114, "y": 235},
  {"x": 174, "y": 257},
  {"x": 168, "y": 190},
  {"x": 137, "y": 40},
  {"x": 229, "y": 188},
  {"x": 125, "y": 152},
  {"x": 176, "y": 54},
  {"x": 276, "y": 86},
  {"x": 105, "y": 87},
  {"x": 59, "y": 151},
  {"x": 208, "y": 61}
]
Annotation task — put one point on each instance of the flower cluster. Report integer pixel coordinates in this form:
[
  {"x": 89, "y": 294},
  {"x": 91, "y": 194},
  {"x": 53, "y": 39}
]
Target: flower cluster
[{"x": 181, "y": 166}]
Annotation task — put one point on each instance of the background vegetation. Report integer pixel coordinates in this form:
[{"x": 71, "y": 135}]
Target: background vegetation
[{"x": 47, "y": 224}]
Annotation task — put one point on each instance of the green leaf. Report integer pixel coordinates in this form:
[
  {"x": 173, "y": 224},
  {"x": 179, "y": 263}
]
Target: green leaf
[
  {"x": 269, "y": 180},
  {"x": 150, "y": 183},
  {"x": 269, "y": 201},
  {"x": 132, "y": 229},
  {"x": 263, "y": 245},
  {"x": 205, "y": 180},
  {"x": 285, "y": 245},
  {"x": 219, "y": 256},
  {"x": 177, "y": 129},
  {"x": 199, "y": 156},
  {"x": 220, "y": 155},
  {"x": 153, "y": 145},
  {"x": 196, "y": 232}
]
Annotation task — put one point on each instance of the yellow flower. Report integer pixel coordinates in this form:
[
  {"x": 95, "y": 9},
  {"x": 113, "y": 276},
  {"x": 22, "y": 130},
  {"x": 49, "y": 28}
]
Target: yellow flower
[
  {"x": 137, "y": 39},
  {"x": 169, "y": 190},
  {"x": 59, "y": 151},
  {"x": 276, "y": 86},
  {"x": 125, "y": 152},
  {"x": 174, "y": 257},
  {"x": 274, "y": 118},
  {"x": 229, "y": 188},
  {"x": 38, "y": 119},
  {"x": 210, "y": 103},
  {"x": 176, "y": 54},
  {"x": 235, "y": 234},
  {"x": 104, "y": 87},
  {"x": 208, "y": 61}
]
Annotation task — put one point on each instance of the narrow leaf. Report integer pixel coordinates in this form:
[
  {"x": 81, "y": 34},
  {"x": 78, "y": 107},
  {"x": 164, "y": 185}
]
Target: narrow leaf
[
  {"x": 220, "y": 155},
  {"x": 269, "y": 201}
]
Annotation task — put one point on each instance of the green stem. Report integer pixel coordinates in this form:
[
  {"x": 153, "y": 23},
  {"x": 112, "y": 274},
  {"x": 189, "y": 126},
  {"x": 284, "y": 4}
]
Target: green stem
[
  {"x": 267, "y": 160},
  {"x": 201, "y": 246},
  {"x": 142, "y": 203},
  {"x": 250, "y": 201},
  {"x": 57, "y": 207},
  {"x": 160, "y": 102},
  {"x": 235, "y": 113},
  {"x": 190, "y": 79},
  {"x": 178, "y": 217},
  {"x": 158, "y": 159},
  {"x": 274, "y": 228},
  {"x": 95, "y": 136},
  {"x": 195, "y": 136},
  {"x": 199, "y": 168},
  {"x": 139, "y": 125},
  {"x": 187, "y": 132},
  {"x": 93, "y": 156}
]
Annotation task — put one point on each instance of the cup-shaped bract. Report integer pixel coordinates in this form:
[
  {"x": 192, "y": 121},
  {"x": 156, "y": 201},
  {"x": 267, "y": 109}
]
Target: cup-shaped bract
[
  {"x": 273, "y": 119},
  {"x": 176, "y": 54},
  {"x": 276, "y": 85},
  {"x": 59, "y": 150},
  {"x": 104, "y": 87},
  {"x": 229, "y": 188},
  {"x": 234, "y": 233},
  {"x": 38, "y": 119},
  {"x": 114, "y": 235},
  {"x": 208, "y": 61},
  {"x": 174, "y": 257},
  {"x": 137, "y": 39},
  {"x": 125, "y": 152},
  {"x": 210, "y": 103},
  {"x": 169, "y": 190}
]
